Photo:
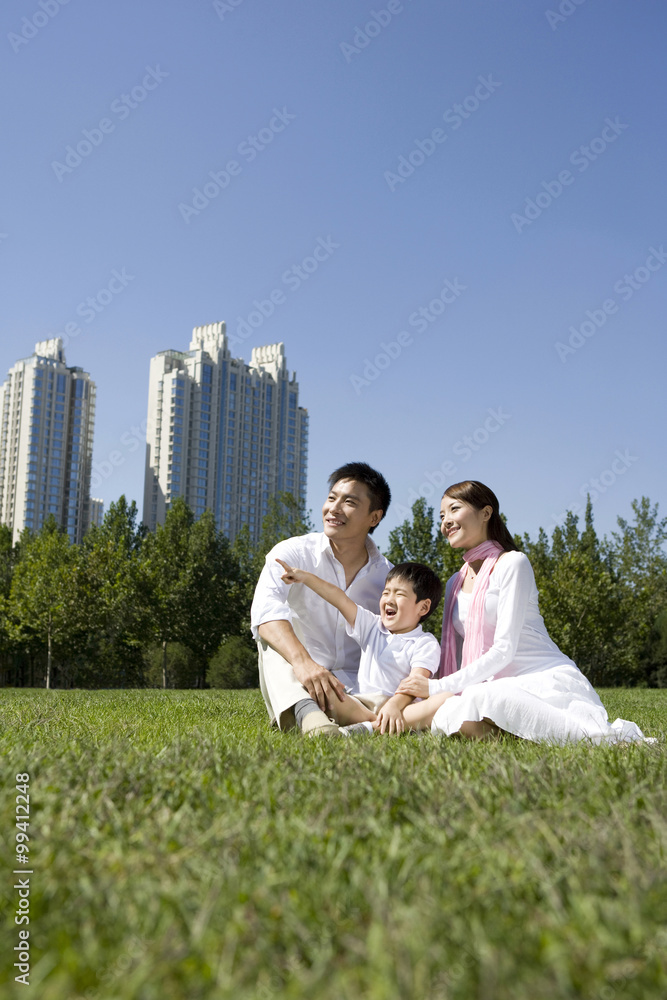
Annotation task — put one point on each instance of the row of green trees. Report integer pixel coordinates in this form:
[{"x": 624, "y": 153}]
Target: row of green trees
[{"x": 128, "y": 608}]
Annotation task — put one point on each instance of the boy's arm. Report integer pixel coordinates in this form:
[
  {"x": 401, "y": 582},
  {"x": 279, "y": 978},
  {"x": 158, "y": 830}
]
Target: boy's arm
[
  {"x": 329, "y": 591},
  {"x": 390, "y": 716}
]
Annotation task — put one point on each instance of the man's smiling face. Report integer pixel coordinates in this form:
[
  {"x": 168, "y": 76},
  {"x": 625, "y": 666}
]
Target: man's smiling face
[{"x": 347, "y": 513}]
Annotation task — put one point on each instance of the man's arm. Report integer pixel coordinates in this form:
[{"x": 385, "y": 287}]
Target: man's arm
[
  {"x": 320, "y": 683},
  {"x": 329, "y": 591}
]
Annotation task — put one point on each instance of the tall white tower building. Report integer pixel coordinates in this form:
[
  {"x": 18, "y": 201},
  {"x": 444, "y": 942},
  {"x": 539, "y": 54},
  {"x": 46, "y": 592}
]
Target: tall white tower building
[
  {"x": 47, "y": 417},
  {"x": 223, "y": 434}
]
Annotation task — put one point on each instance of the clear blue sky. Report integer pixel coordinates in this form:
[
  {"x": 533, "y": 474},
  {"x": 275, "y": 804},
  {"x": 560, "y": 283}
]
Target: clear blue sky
[{"x": 566, "y": 111}]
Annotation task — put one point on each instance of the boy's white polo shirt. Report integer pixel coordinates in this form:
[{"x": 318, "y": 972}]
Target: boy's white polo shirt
[{"x": 387, "y": 657}]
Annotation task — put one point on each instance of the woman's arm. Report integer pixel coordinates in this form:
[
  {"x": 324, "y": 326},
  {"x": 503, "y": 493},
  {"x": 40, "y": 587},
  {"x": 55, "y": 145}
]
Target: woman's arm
[{"x": 329, "y": 591}]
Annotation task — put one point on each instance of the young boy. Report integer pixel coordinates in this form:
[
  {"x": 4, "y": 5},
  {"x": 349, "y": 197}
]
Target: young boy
[{"x": 393, "y": 643}]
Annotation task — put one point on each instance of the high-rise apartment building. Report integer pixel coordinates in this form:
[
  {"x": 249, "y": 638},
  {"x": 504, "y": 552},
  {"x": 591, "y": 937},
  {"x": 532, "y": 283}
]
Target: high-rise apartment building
[
  {"x": 96, "y": 512},
  {"x": 46, "y": 442},
  {"x": 223, "y": 434}
]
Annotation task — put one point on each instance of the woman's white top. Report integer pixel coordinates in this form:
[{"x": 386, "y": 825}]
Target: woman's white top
[
  {"x": 523, "y": 682},
  {"x": 514, "y": 631}
]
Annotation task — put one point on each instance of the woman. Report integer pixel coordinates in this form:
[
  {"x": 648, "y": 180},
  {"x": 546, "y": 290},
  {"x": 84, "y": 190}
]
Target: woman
[{"x": 499, "y": 670}]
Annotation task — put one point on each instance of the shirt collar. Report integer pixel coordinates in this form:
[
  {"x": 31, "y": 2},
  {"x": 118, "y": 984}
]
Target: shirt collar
[
  {"x": 412, "y": 634},
  {"x": 374, "y": 554}
]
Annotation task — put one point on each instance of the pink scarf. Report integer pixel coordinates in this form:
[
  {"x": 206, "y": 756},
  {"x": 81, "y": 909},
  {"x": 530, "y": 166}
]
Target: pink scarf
[{"x": 473, "y": 644}]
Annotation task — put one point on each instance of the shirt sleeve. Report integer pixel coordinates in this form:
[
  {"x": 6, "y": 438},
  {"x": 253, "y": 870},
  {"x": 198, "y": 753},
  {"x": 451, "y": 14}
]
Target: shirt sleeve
[
  {"x": 516, "y": 585},
  {"x": 426, "y": 654},
  {"x": 364, "y": 623},
  {"x": 270, "y": 602}
]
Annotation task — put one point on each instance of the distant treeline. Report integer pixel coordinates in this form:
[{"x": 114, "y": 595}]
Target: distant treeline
[{"x": 128, "y": 608}]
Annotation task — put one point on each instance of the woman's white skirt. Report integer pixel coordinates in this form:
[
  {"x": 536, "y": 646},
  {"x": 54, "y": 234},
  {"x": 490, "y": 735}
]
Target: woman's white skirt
[{"x": 556, "y": 705}]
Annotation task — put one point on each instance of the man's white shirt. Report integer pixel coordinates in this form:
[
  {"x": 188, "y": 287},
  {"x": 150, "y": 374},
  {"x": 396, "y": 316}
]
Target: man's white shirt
[{"x": 324, "y": 628}]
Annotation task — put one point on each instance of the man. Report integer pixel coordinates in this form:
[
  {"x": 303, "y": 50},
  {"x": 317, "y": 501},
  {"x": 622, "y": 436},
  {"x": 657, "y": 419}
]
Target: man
[{"x": 306, "y": 657}]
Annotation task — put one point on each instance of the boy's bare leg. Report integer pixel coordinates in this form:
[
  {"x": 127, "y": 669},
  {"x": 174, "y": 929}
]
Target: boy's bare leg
[
  {"x": 349, "y": 711},
  {"x": 420, "y": 714}
]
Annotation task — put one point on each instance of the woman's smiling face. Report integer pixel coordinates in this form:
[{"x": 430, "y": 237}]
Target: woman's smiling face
[{"x": 463, "y": 526}]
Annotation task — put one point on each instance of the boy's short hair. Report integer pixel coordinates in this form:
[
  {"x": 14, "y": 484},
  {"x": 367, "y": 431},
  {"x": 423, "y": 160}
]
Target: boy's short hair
[
  {"x": 375, "y": 483},
  {"x": 423, "y": 581}
]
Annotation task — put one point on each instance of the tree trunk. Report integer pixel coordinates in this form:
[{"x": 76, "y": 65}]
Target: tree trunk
[
  {"x": 48, "y": 661},
  {"x": 164, "y": 663}
]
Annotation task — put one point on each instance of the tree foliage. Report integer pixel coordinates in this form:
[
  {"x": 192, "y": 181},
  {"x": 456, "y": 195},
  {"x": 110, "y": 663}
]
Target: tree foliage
[
  {"x": 581, "y": 599},
  {"x": 113, "y": 606},
  {"x": 187, "y": 579},
  {"x": 638, "y": 555},
  {"x": 43, "y": 608},
  {"x": 234, "y": 665},
  {"x": 653, "y": 656}
]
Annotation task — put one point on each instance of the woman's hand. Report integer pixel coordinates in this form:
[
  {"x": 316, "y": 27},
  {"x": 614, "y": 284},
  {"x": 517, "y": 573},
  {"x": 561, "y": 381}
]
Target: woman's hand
[
  {"x": 292, "y": 574},
  {"x": 414, "y": 685}
]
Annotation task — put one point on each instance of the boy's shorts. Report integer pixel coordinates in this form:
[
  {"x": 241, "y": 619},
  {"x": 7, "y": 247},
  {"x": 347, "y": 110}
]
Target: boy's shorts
[{"x": 373, "y": 700}]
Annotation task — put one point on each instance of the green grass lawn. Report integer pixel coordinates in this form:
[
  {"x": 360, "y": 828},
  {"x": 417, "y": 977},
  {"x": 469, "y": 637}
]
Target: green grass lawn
[{"x": 183, "y": 850}]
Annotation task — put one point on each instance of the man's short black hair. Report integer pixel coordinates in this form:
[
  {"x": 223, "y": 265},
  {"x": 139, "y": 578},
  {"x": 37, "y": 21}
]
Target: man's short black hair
[
  {"x": 423, "y": 581},
  {"x": 375, "y": 483}
]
